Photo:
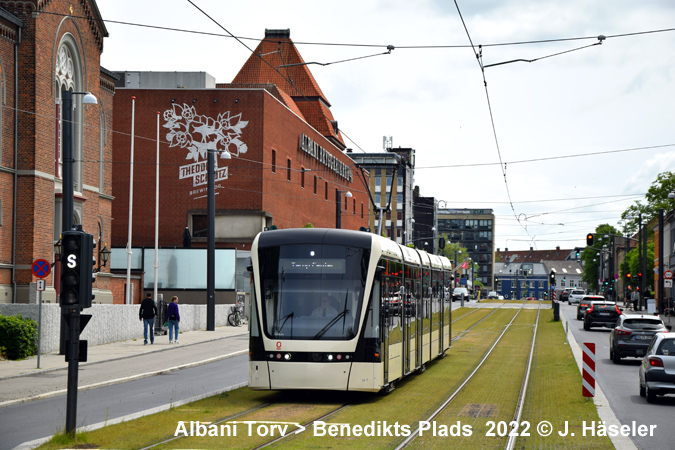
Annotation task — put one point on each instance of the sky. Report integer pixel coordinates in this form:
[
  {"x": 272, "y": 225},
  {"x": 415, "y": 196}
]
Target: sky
[{"x": 555, "y": 147}]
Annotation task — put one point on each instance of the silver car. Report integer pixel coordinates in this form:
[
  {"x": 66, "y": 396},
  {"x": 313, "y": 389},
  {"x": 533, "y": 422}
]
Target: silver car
[
  {"x": 575, "y": 296},
  {"x": 657, "y": 372}
]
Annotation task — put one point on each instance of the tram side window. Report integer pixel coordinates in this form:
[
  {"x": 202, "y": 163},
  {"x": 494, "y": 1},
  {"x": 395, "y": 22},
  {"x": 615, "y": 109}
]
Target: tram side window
[
  {"x": 255, "y": 332},
  {"x": 372, "y": 326}
]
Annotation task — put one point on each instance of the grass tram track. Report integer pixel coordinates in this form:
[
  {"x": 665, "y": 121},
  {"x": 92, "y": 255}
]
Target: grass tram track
[{"x": 416, "y": 398}]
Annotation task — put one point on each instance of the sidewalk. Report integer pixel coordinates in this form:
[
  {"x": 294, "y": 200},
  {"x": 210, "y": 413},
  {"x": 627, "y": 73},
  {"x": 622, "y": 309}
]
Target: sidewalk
[
  {"x": 22, "y": 381},
  {"x": 115, "y": 351}
]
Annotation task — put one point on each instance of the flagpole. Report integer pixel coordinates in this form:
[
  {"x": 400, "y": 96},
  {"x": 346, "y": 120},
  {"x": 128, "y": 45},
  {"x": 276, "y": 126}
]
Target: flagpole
[
  {"x": 156, "y": 265},
  {"x": 131, "y": 201}
]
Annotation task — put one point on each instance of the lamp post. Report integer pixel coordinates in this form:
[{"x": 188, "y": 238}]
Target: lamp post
[
  {"x": 456, "y": 265},
  {"x": 70, "y": 314},
  {"x": 338, "y": 207}
]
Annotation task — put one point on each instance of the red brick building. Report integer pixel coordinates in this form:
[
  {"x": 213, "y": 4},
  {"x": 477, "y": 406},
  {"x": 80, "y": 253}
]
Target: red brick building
[
  {"x": 47, "y": 47},
  {"x": 281, "y": 159}
]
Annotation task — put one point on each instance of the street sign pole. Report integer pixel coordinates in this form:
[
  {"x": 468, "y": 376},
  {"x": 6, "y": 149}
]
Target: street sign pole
[
  {"x": 39, "y": 326},
  {"x": 41, "y": 269}
]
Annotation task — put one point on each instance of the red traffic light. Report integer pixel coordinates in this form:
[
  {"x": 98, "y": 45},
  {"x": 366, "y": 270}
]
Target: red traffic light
[
  {"x": 589, "y": 239},
  {"x": 627, "y": 275}
]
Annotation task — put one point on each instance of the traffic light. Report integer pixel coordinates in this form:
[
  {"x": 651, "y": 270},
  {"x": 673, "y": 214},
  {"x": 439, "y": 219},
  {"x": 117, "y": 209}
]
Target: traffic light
[
  {"x": 441, "y": 243},
  {"x": 589, "y": 239},
  {"x": 76, "y": 268},
  {"x": 628, "y": 276},
  {"x": 552, "y": 277}
]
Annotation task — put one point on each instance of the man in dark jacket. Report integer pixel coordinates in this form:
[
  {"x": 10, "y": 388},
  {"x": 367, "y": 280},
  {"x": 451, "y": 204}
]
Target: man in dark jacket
[{"x": 147, "y": 314}]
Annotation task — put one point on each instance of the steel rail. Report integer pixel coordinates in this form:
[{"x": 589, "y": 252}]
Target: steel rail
[{"x": 511, "y": 441}]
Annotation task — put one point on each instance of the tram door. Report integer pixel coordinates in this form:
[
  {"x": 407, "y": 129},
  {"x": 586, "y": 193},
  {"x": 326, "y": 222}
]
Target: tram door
[
  {"x": 392, "y": 335},
  {"x": 411, "y": 338},
  {"x": 382, "y": 299}
]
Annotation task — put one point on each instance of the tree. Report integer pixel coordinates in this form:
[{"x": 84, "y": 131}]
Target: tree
[
  {"x": 633, "y": 266},
  {"x": 656, "y": 197},
  {"x": 592, "y": 257}
]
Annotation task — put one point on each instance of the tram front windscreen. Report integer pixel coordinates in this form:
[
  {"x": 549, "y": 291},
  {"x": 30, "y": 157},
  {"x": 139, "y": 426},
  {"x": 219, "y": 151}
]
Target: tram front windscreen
[{"x": 312, "y": 291}]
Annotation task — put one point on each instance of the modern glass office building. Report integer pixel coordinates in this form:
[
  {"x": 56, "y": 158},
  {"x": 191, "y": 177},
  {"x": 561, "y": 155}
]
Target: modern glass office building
[{"x": 473, "y": 229}]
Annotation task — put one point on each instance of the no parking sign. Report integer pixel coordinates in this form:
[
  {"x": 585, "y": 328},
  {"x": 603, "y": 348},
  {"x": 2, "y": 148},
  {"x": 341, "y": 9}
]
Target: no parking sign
[{"x": 41, "y": 268}]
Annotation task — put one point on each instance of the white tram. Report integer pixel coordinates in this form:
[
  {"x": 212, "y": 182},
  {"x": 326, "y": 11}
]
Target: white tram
[{"x": 343, "y": 310}]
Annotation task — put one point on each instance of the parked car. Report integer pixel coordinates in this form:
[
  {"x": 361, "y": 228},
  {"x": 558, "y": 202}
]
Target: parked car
[
  {"x": 564, "y": 296},
  {"x": 501, "y": 297},
  {"x": 492, "y": 294},
  {"x": 456, "y": 294},
  {"x": 657, "y": 372},
  {"x": 632, "y": 335},
  {"x": 575, "y": 296},
  {"x": 586, "y": 302},
  {"x": 601, "y": 314}
]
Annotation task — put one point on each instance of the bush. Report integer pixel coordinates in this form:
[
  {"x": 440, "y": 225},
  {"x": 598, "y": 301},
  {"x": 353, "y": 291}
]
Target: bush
[{"x": 18, "y": 336}]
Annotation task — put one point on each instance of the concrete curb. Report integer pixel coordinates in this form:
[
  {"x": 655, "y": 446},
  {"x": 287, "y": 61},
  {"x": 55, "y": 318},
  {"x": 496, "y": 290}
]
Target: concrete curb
[{"x": 605, "y": 412}]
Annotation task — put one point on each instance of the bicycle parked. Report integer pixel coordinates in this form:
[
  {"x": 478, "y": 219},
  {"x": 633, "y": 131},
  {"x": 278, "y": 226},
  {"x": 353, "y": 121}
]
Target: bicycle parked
[{"x": 236, "y": 316}]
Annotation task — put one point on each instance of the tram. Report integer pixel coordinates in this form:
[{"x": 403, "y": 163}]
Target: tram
[{"x": 347, "y": 310}]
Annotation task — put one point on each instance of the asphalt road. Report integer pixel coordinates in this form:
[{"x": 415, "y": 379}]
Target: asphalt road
[
  {"x": 91, "y": 374},
  {"x": 620, "y": 385},
  {"x": 37, "y": 419}
]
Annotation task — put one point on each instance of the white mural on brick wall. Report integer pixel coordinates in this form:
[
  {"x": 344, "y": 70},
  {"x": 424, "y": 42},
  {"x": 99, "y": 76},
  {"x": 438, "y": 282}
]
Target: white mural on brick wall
[{"x": 198, "y": 134}]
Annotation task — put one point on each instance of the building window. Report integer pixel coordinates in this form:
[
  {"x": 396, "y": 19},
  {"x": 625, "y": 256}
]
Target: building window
[
  {"x": 361, "y": 211},
  {"x": 200, "y": 225},
  {"x": 288, "y": 170},
  {"x": 316, "y": 183},
  {"x": 274, "y": 161},
  {"x": 377, "y": 199},
  {"x": 302, "y": 177},
  {"x": 354, "y": 206},
  {"x": 378, "y": 181},
  {"x": 325, "y": 195}
]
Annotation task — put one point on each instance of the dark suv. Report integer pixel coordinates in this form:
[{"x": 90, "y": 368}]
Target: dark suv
[
  {"x": 586, "y": 302},
  {"x": 632, "y": 335},
  {"x": 601, "y": 314}
]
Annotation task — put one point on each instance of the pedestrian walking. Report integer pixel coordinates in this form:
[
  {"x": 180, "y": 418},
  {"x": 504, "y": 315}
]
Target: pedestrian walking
[
  {"x": 173, "y": 319},
  {"x": 147, "y": 315}
]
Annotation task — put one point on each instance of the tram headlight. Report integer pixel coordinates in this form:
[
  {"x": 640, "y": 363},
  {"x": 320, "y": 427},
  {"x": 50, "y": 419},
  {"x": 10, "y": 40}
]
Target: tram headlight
[
  {"x": 287, "y": 356},
  {"x": 329, "y": 357}
]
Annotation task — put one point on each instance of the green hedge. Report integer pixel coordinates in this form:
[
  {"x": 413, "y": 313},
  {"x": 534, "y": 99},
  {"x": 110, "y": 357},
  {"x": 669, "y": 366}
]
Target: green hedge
[{"x": 18, "y": 336}]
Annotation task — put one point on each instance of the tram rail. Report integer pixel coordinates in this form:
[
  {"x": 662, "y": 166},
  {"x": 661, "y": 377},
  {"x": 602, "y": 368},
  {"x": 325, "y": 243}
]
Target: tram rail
[{"x": 416, "y": 432}]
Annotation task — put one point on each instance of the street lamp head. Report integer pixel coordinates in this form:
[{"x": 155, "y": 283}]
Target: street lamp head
[
  {"x": 89, "y": 99},
  {"x": 348, "y": 194},
  {"x": 671, "y": 195}
]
